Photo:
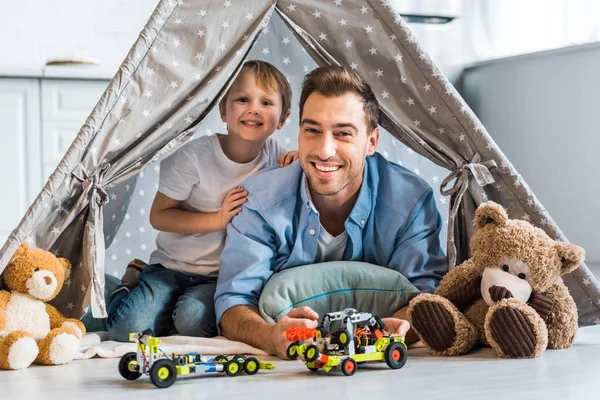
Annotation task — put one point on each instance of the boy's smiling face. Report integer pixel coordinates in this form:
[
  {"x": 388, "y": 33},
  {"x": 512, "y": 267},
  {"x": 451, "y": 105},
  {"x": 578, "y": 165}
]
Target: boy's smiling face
[{"x": 251, "y": 112}]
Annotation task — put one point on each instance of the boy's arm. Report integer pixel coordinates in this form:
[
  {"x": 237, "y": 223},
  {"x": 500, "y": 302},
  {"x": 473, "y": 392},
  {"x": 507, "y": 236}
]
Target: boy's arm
[{"x": 165, "y": 215}]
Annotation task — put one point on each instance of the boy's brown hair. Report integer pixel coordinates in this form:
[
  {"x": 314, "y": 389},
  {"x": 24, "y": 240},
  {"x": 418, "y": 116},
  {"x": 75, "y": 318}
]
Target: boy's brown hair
[
  {"x": 269, "y": 78},
  {"x": 333, "y": 81}
]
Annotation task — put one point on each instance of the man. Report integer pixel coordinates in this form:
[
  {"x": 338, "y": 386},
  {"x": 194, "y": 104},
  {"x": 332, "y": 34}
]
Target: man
[{"x": 342, "y": 202}]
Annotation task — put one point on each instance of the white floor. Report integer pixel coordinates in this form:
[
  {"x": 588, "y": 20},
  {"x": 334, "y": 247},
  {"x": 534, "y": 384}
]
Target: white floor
[{"x": 565, "y": 374}]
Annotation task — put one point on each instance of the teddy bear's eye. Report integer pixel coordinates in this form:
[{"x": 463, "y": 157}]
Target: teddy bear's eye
[
  {"x": 505, "y": 268},
  {"x": 522, "y": 275},
  {"x": 36, "y": 270}
]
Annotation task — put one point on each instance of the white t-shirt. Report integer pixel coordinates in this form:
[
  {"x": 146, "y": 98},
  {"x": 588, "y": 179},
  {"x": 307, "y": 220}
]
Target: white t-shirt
[
  {"x": 330, "y": 248},
  {"x": 199, "y": 175}
]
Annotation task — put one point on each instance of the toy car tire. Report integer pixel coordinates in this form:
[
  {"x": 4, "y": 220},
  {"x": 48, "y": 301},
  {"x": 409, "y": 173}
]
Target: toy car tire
[
  {"x": 292, "y": 352},
  {"x": 312, "y": 353},
  {"x": 221, "y": 359},
  {"x": 163, "y": 373},
  {"x": 343, "y": 337},
  {"x": 232, "y": 367},
  {"x": 125, "y": 364},
  {"x": 395, "y": 355},
  {"x": 251, "y": 366},
  {"x": 349, "y": 367},
  {"x": 380, "y": 324}
]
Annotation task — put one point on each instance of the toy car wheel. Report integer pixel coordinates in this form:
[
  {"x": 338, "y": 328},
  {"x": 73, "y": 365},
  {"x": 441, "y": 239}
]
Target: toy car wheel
[
  {"x": 349, "y": 367},
  {"x": 292, "y": 351},
  {"x": 232, "y": 367},
  {"x": 163, "y": 373},
  {"x": 379, "y": 323},
  {"x": 251, "y": 366},
  {"x": 395, "y": 355},
  {"x": 128, "y": 367},
  {"x": 240, "y": 358},
  {"x": 220, "y": 359},
  {"x": 343, "y": 337},
  {"x": 313, "y": 369},
  {"x": 312, "y": 353}
]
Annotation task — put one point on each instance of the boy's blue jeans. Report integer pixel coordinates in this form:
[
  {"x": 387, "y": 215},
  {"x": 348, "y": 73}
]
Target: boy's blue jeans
[{"x": 165, "y": 301}]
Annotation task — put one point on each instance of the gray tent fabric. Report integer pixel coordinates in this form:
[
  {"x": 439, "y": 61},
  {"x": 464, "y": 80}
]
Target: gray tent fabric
[{"x": 184, "y": 60}]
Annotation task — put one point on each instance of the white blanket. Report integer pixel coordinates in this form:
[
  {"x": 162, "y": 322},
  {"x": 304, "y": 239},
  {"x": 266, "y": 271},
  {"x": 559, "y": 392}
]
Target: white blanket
[{"x": 99, "y": 344}]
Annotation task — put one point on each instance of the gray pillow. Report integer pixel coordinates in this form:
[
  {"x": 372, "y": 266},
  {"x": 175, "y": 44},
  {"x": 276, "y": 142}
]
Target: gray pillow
[{"x": 333, "y": 286}]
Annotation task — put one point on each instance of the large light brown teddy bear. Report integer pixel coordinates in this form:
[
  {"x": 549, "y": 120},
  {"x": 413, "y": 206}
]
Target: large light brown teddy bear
[
  {"x": 31, "y": 330},
  {"x": 508, "y": 295}
]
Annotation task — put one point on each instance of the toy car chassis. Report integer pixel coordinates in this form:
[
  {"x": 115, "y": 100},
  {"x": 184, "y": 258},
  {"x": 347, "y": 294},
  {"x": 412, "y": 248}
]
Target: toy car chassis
[
  {"x": 164, "y": 371},
  {"x": 361, "y": 338}
]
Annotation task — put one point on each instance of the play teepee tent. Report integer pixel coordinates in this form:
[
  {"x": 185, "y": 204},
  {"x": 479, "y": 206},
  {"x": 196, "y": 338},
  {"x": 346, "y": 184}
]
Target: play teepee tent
[{"x": 185, "y": 58}]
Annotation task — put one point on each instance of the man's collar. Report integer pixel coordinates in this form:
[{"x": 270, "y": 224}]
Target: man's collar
[{"x": 362, "y": 208}]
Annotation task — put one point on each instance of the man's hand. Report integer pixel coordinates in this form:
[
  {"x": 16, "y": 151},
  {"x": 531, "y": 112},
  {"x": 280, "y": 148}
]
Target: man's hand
[
  {"x": 287, "y": 158},
  {"x": 231, "y": 205},
  {"x": 396, "y": 326},
  {"x": 303, "y": 317}
]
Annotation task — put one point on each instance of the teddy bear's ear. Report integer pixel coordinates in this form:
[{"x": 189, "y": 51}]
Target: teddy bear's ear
[
  {"x": 66, "y": 265},
  {"x": 490, "y": 213},
  {"x": 19, "y": 252},
  {"x": 570, "y": 256}
]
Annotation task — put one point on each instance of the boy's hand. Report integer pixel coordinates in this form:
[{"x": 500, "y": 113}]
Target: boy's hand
[
  {"x": 287, "y": 158},
  {"x": 304, "y": 317},
  {"x": 396, "y": 326},
  {"x": 231, "y": 205}
]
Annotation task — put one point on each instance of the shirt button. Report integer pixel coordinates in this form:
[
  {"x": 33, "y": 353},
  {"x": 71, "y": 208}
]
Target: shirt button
[
  {"x": 312, "y": 231},
  {"x": 362, "y": 221}
]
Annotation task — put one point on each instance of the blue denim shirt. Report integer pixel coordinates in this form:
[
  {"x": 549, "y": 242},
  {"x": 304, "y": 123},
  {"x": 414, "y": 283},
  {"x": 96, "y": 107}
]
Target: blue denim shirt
[{"x": 394, "y": 223}]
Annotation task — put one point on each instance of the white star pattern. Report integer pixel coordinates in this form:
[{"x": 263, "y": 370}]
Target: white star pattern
[
  {"x": 364, "y": 10},
  {"x": 322, "y": 36},
  {"x": 343, "y": 22},
  {"x": 354, "y": 66},
  {"x": 385, "y": 95},
  {"x": 348, "y": 43},
  {"x": 249, "y": 16},
  {"x": 202, "y": 13},
  {"x": 227, "y": 4},
  {"x": 317, "y": 14},
  {"x": 291, "y": 8},
  {"x": 410, "y": 101},
  {"x": 285, "y": 40},
  {"x": 369, "y": 29},
  {"x": 225, "y": 25},
  {"x": 201, "y": 33},
  {"x": 286, "y": 60},
  {"x": 379, "y": 73},
  {"x": 373, "y": 51}
]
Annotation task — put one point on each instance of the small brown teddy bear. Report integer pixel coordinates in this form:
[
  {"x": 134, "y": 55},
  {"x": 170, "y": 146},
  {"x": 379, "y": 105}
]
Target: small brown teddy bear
[
  {"x": 31, "y": 330},
  {"x": 508, "y": 295}
]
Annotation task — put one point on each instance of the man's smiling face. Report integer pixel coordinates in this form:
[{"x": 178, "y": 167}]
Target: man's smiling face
[{"x": 333, "y": 143}]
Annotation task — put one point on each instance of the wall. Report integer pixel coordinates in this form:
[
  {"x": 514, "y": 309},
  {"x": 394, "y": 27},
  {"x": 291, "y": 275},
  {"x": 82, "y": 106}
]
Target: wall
[
  {"x": 542, "y": 110},
  {"x": 102, "y": 29}
]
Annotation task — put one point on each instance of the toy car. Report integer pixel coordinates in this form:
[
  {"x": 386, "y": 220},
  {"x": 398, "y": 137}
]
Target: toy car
[
  {"x": 360, "y": 338},
  {"x": 164, "y": 371}
]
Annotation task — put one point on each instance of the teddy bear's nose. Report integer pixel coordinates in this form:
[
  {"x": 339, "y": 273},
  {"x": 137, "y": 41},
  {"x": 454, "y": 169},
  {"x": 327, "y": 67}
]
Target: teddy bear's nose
[{"x": 48, "y": 280}]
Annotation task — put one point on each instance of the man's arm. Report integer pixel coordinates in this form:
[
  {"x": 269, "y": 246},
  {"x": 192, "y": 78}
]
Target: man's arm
[
  {"x": 244, "y": 324},
  {"x": 417, "y": 252},
  {"x": 418, "y": 256}
]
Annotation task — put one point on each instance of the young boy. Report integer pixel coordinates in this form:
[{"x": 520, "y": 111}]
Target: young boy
[{"x": 198, "y": 195}]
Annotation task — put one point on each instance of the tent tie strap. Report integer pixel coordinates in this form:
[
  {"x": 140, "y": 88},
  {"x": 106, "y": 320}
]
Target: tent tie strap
[
  {"x": 479, "y": 170},
  {"x": 481, "y": 173},
  {"x": 91, "y": 183}
]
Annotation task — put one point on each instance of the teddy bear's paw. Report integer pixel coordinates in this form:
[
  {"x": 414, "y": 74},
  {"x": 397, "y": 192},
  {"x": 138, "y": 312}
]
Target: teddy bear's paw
[
  {"x": 441, "y": 326},
  {"x": 17, "y": 350},
  {"x": 74, "y": 327},
  {"x": 58, "y": 347},
  {"x": 515, "y": 330}
]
